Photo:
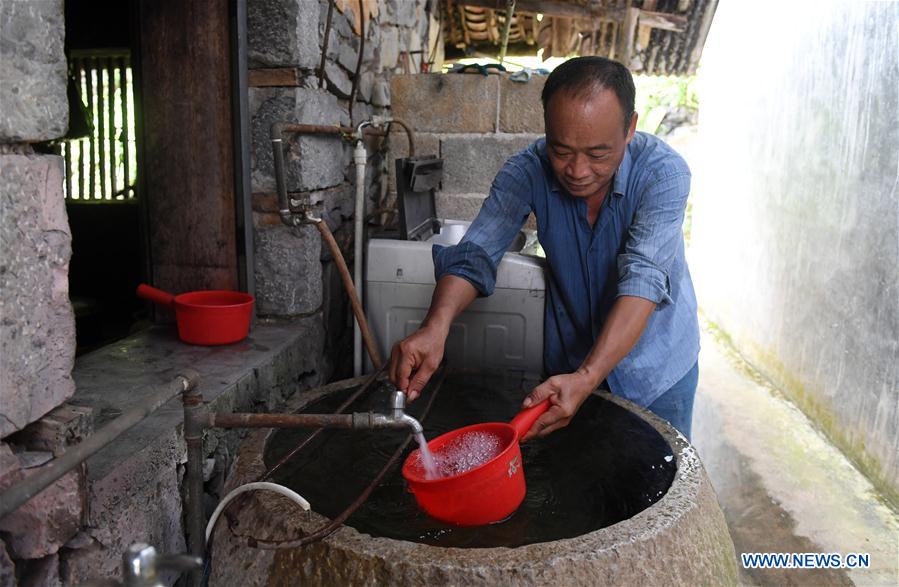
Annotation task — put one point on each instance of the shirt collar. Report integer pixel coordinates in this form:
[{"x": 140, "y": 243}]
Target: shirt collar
[{"x": 619, "y": 182}]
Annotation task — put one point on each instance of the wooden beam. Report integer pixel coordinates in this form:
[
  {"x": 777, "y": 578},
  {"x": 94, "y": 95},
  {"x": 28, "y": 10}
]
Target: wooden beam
[
  {"x": 276, "y": 77},
  {"x": 644, "y": 32},
  {"x": 625, "y": 49},
  {"x": 660, "y": 20},
  {"x": 663, "y": 20},
  {"x": 551, "y": 8}
]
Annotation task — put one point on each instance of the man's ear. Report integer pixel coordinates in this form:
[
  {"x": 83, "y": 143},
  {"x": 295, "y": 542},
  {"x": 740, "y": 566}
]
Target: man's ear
[{"x": 632, "y": 128}]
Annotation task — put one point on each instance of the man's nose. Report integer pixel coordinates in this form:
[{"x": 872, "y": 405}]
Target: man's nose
[{"x": 578, "y": 167}]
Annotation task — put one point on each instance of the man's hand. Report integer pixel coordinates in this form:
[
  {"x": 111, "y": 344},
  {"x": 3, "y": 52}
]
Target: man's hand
[
  {"x": 414, "y": 359},
  {"x": 566, "y": 393}
]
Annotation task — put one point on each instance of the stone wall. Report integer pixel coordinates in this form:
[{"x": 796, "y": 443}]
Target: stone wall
[
  {"x": 37, "y": 325},
  {"x": 77, "y": 529},
  {"x": 295, "y": 275},
  {"x": 474, "y": 123},
  {"x": 794, "y": 247}
]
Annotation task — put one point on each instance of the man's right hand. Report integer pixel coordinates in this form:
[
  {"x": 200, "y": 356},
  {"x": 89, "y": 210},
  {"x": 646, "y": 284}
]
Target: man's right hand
[{"x": 414, "y": 359}]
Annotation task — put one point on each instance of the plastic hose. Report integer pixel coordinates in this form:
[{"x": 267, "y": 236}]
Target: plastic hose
[
  {"x": 258, "y": 485},
  {"x": 360, "y": 159}
]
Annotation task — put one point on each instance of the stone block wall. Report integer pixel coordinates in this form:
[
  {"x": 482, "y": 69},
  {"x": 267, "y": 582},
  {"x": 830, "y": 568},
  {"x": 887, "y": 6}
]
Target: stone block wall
[
  {"x": 37, "y": 329},
  {"x": 295, "y": 275},
  {"x": 77, "y": 529},
  {"x": 474, "y": 122},
  {"x": 33, "y": 104},
  {"x": 37, "y": 325}
]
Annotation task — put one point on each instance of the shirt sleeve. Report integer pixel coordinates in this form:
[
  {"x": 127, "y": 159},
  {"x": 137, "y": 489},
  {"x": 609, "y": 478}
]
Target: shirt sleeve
[
  {"x": 502, "y": 215},
  {"x": 654, "y": 239}
]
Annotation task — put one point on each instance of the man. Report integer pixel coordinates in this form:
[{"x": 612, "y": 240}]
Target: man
[{"x": 609, "y": 204}]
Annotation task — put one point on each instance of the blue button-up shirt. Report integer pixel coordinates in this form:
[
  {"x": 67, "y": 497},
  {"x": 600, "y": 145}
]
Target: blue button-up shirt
[{"x": 635, "y": 248}]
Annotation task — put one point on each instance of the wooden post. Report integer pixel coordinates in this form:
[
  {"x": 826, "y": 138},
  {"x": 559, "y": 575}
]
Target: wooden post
[
  {"x": 625, "y": 49},
  {"x": 188, "y": 154},
  {"x": 644, "y": 32}
]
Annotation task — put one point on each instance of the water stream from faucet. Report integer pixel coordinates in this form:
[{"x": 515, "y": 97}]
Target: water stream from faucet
[
  {"x": 427, "y": 459},
  {"x": 466, "y": 452}
]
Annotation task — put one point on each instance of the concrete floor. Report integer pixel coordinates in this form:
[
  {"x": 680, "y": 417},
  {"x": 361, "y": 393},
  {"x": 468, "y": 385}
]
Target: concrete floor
[{"x": 783, "y": 487}]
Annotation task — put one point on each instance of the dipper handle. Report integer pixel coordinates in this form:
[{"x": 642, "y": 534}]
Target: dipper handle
[
  {"x": 155, "y": 295},
  {"x": 526, "y": 418}
]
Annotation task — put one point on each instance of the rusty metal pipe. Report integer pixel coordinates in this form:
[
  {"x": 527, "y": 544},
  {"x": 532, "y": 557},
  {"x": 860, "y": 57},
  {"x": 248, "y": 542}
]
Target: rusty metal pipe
[
  {"x": 334, "y": 524},
  {"x": 276, "y": 134},
  {"x": 287, "y": 217},
  {"x": 197, "y": 418},
  {"x": 326, "y": 129},
  {"x": 354, "y": 421},
  {"x": 238, "y": 420},
  {"x": 362, "y": 389},
  {"x": 410, "y": 134},
  {"x": 367, "y": 337},
  {"x": 194, "y": 410},
  {"x": 21, "y": 492}
]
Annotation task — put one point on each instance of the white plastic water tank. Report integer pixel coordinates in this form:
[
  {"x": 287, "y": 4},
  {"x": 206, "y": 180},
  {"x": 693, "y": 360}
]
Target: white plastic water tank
[{"x": 504, "y": 330}]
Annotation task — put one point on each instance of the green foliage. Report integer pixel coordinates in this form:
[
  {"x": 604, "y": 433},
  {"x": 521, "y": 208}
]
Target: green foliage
[{"x": 656, "y": 95}]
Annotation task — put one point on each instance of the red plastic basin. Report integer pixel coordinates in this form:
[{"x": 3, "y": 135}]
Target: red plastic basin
[
  {"x": 206, "y": 318},
  {"x": 488, "y": 493}
]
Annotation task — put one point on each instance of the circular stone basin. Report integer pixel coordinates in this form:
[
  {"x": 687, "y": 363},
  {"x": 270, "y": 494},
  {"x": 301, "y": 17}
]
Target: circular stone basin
[{"x": 616, "y": 497}]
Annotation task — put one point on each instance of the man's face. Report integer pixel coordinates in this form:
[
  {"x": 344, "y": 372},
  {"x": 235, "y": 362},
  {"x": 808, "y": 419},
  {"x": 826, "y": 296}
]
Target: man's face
[{"x": 586, "y": 140}]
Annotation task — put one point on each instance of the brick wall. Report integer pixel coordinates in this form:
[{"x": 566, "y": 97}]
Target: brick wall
[{"x": 474, "y": 122}]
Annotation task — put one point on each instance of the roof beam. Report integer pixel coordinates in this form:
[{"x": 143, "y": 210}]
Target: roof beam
[{"x": 659, "y": 20}]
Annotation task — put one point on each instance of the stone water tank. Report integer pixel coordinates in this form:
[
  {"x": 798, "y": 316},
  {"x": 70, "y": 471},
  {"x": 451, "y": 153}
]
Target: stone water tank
[{"x": 680, "y": 539}]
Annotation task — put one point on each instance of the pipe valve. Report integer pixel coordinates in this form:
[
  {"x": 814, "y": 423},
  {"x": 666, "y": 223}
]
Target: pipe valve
[{"x": 397, "y": 418}]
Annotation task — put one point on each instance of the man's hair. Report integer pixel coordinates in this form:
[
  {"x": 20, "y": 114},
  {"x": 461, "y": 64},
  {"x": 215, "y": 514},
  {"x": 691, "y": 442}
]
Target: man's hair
[{"x": 582, "y": 76}]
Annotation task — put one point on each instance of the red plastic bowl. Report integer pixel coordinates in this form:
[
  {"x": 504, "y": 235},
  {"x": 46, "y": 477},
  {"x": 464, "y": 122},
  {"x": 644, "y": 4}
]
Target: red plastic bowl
[
  {"x": 206, "y": 318},
  {"x": 483, "y": 495}
]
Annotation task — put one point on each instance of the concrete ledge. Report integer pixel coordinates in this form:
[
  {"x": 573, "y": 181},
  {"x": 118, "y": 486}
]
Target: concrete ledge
[{"x": 134, "y": 483}]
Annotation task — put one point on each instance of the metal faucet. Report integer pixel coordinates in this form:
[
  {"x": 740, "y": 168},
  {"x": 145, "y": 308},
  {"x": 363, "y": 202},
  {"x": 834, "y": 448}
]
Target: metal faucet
[
  {"x": 398, "y": 418},
  {"x": 142, "y": 565}
]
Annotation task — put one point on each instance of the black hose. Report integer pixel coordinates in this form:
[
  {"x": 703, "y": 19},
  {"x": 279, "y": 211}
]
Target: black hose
[
  {"x": 359, "y": 61},
  {"x": 321, "y": 67}
]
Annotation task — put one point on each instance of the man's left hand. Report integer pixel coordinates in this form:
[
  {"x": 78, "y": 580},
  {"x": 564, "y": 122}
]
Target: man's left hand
[{"x": 566, "y": 393}]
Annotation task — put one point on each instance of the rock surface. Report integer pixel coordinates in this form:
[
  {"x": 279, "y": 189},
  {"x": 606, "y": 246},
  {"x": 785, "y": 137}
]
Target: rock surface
[
  {"x": 7, "y": 567},
  {"x": 37, "y": 328},
  {"x": 288, "y": 270},
  {"x": 283, "y": 33},
  {"x": 47, "y": 521},
  {"x": 33, "y": 102},
  {"x": 310, "y": 162}
]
